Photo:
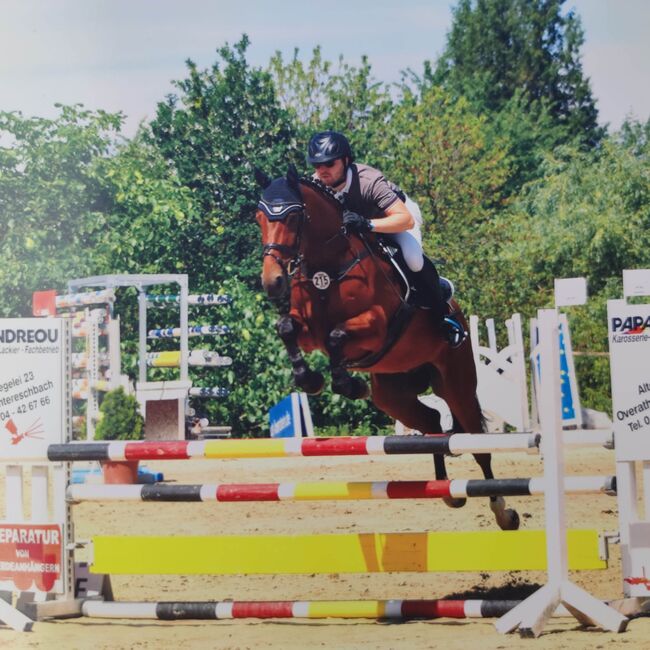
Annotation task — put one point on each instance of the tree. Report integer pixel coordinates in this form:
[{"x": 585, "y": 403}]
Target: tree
[
  {"x": 223, "y": 123},
  {"x": 151, "y": 215},
  {"x": 345, "y": 98},
  {"x": 448, "y": 160},
  {"x": 498, "y": 47},
  {"x": 53, "y": 206}
]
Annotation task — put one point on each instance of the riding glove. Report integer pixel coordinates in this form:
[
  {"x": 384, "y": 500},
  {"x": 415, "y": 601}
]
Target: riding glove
[{"x": 354, "y": 222}]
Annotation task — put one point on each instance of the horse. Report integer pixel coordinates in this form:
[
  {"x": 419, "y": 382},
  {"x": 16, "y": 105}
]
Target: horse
[{"x": 339, "y": 295}]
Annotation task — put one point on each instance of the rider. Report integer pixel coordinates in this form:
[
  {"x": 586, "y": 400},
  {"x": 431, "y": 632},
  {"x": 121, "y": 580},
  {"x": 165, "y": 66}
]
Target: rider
[{"x": 374, "y": 204}]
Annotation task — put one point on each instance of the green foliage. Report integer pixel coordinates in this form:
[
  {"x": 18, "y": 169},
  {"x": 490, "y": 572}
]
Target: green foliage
[
  {"x": 223, "y": 123},
  {"x": 497, "y": 48},
  {"x": 52, "y": 203},
  {"x": 120, "y": 417},
  {"x": 438, "y": 149},
  {"x": 589, "y": 215},
  {"x": 152, "y": 216},
  {"x": 345, "y": 98}
]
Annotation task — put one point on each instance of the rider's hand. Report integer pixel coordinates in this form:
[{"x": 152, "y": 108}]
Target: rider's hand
[{"x": 354, "y": 222}]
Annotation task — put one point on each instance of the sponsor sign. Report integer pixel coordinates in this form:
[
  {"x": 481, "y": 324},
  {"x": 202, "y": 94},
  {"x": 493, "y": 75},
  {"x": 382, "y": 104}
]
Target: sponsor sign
[
  {"x": 30, "y": 557},
  {"x": 32, "y": 381},
  {"x": 291, "y": 418},
  {"x": 629, "y": 343}
]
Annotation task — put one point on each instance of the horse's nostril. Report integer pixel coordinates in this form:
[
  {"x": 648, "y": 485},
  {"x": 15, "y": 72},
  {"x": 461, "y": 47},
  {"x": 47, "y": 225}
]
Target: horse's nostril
[{"x": 275, "y": 286}]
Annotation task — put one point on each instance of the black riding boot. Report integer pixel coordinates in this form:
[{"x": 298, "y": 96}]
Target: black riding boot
[
  {"x": 427, "y": 289},
  {"x": 429, "y": 295}
]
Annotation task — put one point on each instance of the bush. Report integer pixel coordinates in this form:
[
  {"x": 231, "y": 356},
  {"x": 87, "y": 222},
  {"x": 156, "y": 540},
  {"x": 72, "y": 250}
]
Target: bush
[{"x": 120, "y": 417}]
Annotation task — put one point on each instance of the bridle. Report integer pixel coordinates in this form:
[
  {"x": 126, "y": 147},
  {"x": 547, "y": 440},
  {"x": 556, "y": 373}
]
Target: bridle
[
  {"x": 289, "y": 256},
  {"x": 295, "y": 259}
]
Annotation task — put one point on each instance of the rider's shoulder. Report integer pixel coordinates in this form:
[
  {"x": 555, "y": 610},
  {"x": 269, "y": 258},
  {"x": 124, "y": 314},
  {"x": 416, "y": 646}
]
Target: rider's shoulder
[{"x": 367, "y": 174}]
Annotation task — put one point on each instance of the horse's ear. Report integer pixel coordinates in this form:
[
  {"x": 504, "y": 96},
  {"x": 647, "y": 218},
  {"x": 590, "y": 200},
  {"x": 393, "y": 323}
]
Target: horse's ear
[
  {"x": 292, "y": 176},
  {"x": 262, "y": 179}
]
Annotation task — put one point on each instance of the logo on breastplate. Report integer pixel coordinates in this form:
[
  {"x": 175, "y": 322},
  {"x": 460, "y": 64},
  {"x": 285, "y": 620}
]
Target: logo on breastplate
[{"x": 321, "y": 280}]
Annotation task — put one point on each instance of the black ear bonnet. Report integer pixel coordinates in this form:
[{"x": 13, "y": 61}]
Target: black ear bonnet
[{"x": 280, "y": 199}]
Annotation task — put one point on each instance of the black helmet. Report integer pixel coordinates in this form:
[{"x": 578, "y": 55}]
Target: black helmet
[{"x": 326, "y": 146}]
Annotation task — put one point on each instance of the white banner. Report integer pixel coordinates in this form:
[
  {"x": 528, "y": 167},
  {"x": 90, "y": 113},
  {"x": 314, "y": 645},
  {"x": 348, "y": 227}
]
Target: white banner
[
  {"x": 32, "y": 386},
  {"x": 629, "y": 345}
]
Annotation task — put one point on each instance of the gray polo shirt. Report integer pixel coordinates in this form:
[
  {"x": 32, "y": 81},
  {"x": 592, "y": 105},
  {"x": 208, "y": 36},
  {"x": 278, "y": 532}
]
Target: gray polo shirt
[{"x": 370, "y": 193}]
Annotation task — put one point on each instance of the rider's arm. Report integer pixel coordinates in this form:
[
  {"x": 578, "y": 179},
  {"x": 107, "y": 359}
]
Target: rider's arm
[{"x": 397, "y": 218}]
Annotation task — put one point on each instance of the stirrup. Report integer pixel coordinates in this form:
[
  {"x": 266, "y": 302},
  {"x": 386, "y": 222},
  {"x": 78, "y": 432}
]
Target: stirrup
[
  {"x": 447, "y": 289},
  {"x": 454, "y": 331}
]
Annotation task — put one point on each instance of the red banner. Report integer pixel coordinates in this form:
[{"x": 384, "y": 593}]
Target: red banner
[{"x": 31, "y": 555}]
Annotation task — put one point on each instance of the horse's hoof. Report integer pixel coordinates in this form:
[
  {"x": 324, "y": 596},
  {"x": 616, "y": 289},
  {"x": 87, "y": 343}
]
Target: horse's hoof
[
  {"x": 351, "y": 388},
  {"x": 508, "y": 519},
  {"x": 455, "y": 502},
  {"x": 311, "y": 382},
  {"x": 359, "y": 389}
]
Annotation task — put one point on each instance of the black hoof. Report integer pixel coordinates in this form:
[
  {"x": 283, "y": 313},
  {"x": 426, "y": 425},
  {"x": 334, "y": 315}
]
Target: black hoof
[
  {"x": 351, "y": 388},
  {"x": 455, "y": 502},
  {"x": 310, "y": 381},
  {"x": 359, "y": 389}
]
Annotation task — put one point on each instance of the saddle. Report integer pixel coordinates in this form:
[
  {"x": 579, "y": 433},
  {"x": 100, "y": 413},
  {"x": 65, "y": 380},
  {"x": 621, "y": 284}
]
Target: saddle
[{"x": 418, "y": 289}]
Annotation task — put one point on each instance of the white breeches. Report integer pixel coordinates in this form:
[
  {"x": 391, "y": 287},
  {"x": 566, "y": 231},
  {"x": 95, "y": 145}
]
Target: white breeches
[{"x": 410, "y": 241}]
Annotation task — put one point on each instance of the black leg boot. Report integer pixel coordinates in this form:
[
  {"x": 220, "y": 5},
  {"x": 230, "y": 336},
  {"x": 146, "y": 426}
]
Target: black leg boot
[
  {"x": 427, "y": 289},
  {"x": 430, "y": 296}
]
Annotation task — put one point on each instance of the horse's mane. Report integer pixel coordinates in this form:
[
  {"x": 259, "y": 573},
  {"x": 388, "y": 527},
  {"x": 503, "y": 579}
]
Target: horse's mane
[{"x": 320, "y": 187}]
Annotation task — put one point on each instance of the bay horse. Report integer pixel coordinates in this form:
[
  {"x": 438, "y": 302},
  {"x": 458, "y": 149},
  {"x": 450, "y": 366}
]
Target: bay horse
[{"x": 341, "y": 297}]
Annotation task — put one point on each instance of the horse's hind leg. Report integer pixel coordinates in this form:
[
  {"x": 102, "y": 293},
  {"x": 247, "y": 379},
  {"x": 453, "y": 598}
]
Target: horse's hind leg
[
  {"x": 397, "y": 396},
  {"x": 460, "y": 396}
]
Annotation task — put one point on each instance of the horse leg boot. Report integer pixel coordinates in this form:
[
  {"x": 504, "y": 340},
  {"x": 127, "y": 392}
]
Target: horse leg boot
[
  {"x": 343, "y": 382},
  {"x": 305, "y": 378}
]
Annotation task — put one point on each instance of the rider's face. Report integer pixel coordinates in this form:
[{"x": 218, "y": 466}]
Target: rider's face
[{"x": 330, "y": 172}]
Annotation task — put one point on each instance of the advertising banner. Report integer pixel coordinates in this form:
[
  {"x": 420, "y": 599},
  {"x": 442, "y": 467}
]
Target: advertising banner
[
  {"x": 32, "y": 386},
  {"x": 30, "y": 557}
]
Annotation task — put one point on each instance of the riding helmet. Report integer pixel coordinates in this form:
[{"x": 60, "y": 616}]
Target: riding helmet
[{"x": 328, "y": 145}]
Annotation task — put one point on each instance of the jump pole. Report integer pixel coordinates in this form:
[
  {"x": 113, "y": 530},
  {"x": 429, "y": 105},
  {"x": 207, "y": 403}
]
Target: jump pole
[
  {"x": 341, "y": 491},
  {"x": 372, "y": 609},
  {"x": 290, "y": 447}
]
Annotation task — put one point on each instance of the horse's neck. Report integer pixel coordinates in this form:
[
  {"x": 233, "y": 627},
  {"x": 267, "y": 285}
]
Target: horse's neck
[{"x": 321, "y": 237}]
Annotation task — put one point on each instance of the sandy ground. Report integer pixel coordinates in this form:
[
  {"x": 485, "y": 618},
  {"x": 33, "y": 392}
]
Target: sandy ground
[{"x": 584, "y": 511}]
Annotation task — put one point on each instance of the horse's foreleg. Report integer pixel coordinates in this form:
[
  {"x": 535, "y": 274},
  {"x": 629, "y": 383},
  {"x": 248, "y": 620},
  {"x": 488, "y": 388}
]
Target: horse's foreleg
[
  {"x": 343, "y": 382},
  {"x": 305, "y": 378}
]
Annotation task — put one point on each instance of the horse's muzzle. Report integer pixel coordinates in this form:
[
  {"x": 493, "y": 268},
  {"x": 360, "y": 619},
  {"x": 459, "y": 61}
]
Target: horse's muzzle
[{"x": 275, "y": 284}]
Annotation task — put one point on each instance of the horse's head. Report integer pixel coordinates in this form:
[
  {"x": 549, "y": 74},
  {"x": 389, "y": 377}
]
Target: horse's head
[
  {"x": 280, "y": 214},
  {"x": 299, "y": 218}
]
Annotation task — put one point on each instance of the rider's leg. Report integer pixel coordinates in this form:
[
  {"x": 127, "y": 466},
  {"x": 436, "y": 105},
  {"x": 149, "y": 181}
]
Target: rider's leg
[
  {"x": 425, "y": 276},
  {"x": 433, "y": 291}
]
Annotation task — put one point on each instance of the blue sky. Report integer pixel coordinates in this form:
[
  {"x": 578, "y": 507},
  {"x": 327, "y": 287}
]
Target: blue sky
[{"x": 123, "y": 54}]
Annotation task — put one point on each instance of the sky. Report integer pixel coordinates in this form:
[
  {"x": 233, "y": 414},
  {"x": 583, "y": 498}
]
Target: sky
[{"x": 122, "y": 55}]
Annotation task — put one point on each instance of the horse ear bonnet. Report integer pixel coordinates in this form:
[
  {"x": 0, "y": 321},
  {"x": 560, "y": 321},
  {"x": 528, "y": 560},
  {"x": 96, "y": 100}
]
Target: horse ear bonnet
[{"x": 280, "y": 199}]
